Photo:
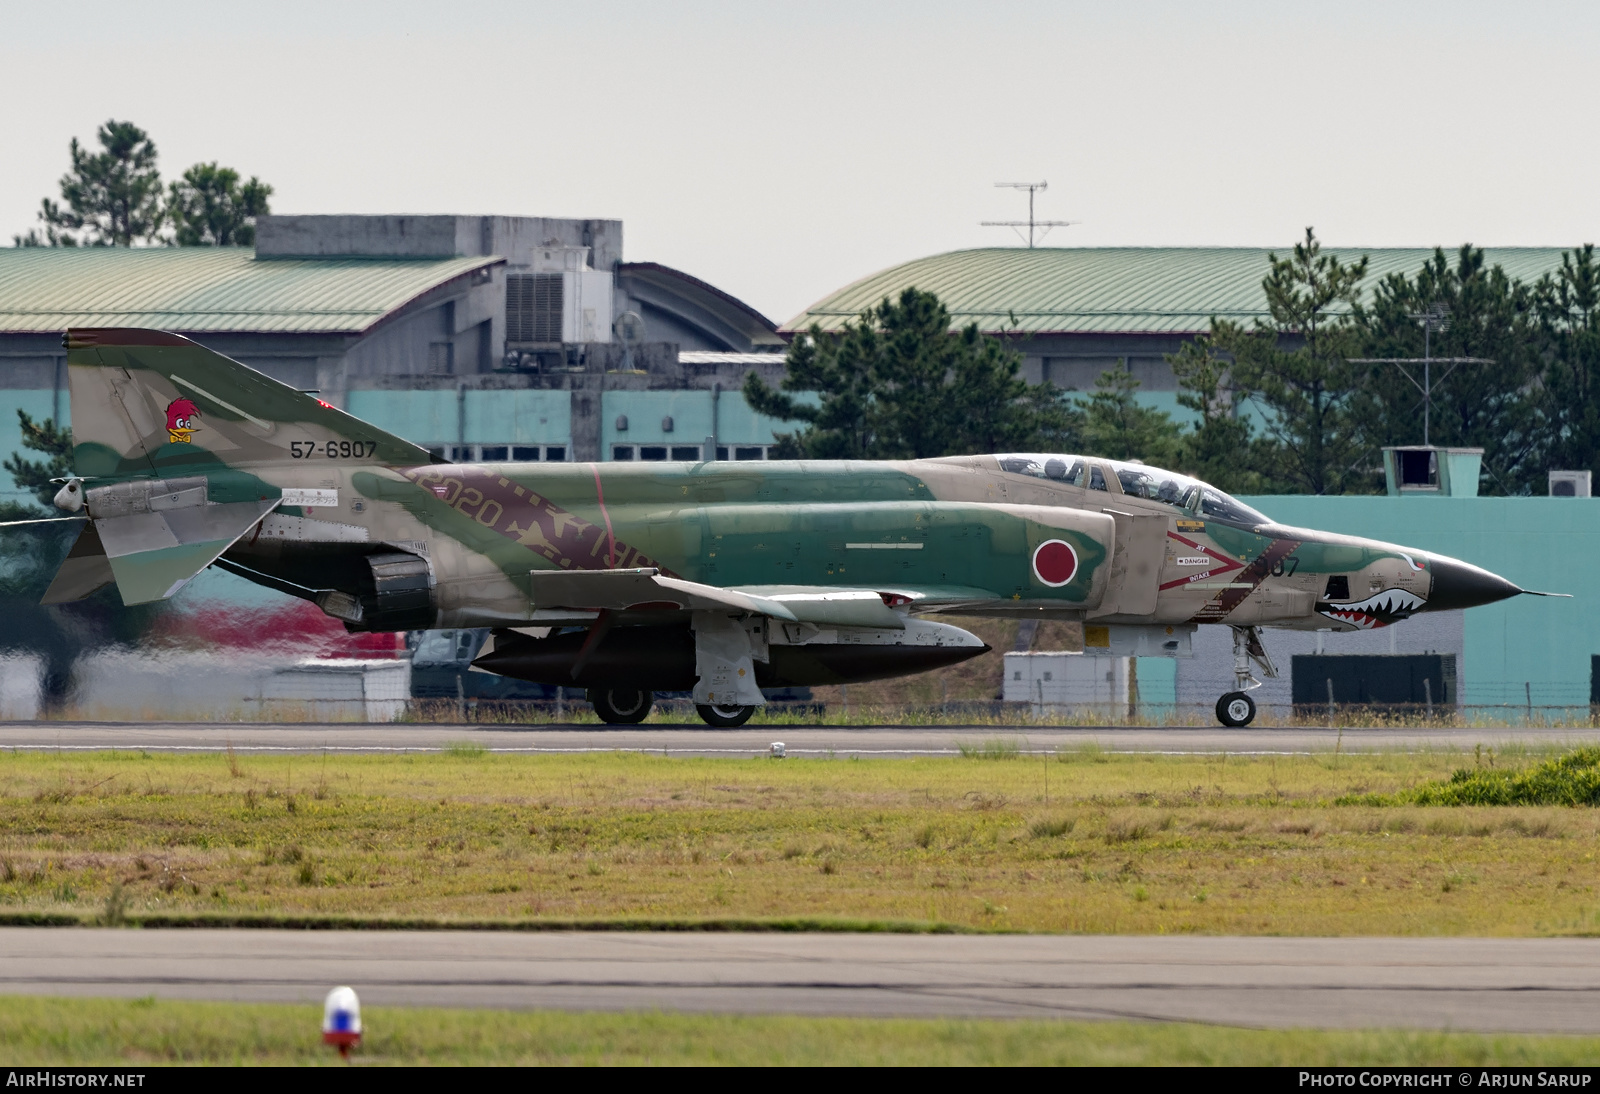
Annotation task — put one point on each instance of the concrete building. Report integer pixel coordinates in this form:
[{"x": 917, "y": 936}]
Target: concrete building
[{"x": 479, "y": 337}]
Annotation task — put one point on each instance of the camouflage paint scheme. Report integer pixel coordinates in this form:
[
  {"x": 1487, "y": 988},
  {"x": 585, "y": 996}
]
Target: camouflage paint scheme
[{"x": 926, "y": 536}]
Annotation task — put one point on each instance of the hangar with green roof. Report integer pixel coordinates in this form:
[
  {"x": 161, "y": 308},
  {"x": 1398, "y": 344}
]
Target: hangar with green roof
[{"x": 1074, "y": 312}]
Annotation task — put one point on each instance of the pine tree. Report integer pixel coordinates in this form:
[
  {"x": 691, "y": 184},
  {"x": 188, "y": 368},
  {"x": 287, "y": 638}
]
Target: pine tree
[
  {"x": 1568, "y": 310},
  {"x": 35, "y": 475},
  {"x": 1306, "y": 393},
  {"x": 209, "y": 208},
  {"x": 1222, "y": 447},
  {"x": 896, "y": 384},
  {"x": 111, "y": 197},
  {"x": 1118, "y": 428},
  {"x": 1493, "y": 406}
]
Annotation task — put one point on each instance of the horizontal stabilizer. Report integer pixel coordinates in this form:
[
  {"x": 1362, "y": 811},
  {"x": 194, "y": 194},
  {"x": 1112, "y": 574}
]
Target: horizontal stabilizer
[
  {"x": 85, "y": 570},
  {"x": 159, "y": 533},
  {"x": 646, "y": 589}
]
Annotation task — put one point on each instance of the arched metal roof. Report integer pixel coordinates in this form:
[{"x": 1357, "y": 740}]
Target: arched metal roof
[
  {"x": 721, "y": 316},
  {"x": 211, "y": 289},
  {"x": 1123, "y": 290}
]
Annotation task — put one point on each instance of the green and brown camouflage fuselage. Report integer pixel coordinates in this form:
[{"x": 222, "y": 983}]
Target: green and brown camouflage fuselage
[{"x": 190, "y": 459}]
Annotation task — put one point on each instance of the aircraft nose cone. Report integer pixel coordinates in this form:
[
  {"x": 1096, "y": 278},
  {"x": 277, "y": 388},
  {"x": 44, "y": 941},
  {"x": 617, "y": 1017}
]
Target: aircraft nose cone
[{"x": 1458, "y": 584}]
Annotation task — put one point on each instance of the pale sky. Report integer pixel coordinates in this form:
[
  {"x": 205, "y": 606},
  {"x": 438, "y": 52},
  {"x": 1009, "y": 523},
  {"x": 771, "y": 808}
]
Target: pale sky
[{"x": 780, "y": 151}]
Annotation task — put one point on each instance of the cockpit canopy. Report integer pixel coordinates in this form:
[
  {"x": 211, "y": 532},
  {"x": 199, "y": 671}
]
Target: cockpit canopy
[{"x": 1137, "y": 479}]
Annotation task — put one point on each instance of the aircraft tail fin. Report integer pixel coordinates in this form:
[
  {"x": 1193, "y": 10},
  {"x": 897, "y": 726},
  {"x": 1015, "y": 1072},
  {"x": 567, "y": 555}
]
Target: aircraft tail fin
[
  {"x": 146, "y": 403},
  {"x": 172, "y": 439}
]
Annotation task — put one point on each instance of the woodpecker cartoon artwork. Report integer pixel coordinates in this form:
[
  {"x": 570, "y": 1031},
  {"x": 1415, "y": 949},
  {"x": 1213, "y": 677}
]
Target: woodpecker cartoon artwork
[{"x": 181, "y": 415}]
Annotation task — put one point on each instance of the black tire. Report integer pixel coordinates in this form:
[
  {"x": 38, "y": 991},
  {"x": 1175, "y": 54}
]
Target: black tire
[
  {"x": 724, "y": 717},
  {"x": 621, "y": 706},
  {"x": 1236, "y": 709}
]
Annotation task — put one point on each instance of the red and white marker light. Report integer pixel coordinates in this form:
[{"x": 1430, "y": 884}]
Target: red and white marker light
[{"x": 341, "y": 1020}]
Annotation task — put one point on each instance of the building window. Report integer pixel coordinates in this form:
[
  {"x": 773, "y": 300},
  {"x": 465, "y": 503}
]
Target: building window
[
  {"x": 750, "y": 452},
  {"x": 441, "y": 358},
  {"x": 622, "y": 451},
  {"x": 533, "y": 308},
  {"x": 686, "y": 452},
  {"x": 722, "y": 451},
  {"x": 497, "y": 453},
  {"x": 652, "y": 452}
]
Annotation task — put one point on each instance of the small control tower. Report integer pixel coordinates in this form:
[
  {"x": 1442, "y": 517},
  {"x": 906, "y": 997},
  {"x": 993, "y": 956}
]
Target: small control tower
[{"x": 1437, "y": 472}]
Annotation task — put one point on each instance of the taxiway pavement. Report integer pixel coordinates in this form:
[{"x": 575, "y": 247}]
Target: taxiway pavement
[
  {"x": 1529, "y": 985},
  {"x": 799, "y": 741}
]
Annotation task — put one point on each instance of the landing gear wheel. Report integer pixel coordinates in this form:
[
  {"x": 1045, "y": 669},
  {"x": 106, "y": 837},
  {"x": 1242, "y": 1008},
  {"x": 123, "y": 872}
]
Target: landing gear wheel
[
  {"x": 724, "y": 717},
  {"x": 1236, "y": 709},
  {"x": 621, "y": 706}
]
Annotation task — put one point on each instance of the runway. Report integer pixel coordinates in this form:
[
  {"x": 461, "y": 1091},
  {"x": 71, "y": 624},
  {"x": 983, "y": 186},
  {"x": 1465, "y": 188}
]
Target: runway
[
  {"x": 1515, "y": 985},
  {"x": 799, "y": 741}
]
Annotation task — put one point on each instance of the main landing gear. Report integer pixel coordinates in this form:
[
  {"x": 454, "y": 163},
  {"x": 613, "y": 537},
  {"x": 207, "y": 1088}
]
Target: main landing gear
[
  {"x": 1237, "y": 708},
  {"x": 619, "y": 706}
]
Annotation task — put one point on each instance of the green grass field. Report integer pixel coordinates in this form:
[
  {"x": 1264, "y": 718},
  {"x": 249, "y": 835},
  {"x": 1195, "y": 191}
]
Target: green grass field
[
  {"x": 45, "y": 1031},
  {"x": 1082, "y": 841}
]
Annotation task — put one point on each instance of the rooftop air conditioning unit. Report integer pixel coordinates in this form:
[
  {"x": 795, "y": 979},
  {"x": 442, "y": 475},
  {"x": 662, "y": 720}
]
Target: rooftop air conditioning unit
[{"x": 1570, "y": 484}]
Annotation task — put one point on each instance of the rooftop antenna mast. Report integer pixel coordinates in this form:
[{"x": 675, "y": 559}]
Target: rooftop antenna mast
[
  {"x": 1435, "y": 317},
  {"x": 1031, "y": 224}
]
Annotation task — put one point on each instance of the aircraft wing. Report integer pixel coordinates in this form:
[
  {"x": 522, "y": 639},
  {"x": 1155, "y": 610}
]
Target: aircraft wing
[{"x": 647, "y": 589}]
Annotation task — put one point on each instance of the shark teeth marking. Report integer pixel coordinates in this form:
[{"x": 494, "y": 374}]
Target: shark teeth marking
[{"x": 1378, "y": 610}]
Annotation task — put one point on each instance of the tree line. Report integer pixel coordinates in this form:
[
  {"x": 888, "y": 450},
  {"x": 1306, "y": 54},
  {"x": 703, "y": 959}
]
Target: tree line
[
  {"x": 1293, "y": 403},
  {"x": 114, "y": 197}
]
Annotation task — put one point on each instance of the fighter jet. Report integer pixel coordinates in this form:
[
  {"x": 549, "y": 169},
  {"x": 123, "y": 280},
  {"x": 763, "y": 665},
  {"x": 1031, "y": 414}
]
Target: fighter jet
[{"x": 716, "y": 578}]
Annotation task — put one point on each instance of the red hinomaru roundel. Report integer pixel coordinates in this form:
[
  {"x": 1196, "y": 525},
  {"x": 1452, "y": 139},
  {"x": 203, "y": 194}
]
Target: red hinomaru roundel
[{"x": 1055, "y": 562}]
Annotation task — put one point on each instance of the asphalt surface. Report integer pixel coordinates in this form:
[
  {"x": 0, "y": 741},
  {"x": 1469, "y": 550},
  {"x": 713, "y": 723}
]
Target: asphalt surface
[
  {"x": 799, "y": 741},
  {"x": 1527, "y": 985}
]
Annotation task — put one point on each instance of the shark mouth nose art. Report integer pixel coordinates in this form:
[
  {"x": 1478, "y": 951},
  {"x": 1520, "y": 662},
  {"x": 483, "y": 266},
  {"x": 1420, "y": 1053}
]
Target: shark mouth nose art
[{"x": 1377, "y": 610}]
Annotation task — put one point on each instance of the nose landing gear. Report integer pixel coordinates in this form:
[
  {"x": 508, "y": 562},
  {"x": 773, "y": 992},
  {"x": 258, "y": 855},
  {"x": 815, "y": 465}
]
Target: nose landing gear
[
  {"x": 724, "y": 716},
  {"x": 1237, "y": 708}
]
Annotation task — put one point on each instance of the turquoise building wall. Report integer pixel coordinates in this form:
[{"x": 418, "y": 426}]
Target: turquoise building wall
[
  {"x": 690, "y": 412},
  {"x": 1524, "y": 645},
  {"x": 473, "y": 417}
]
